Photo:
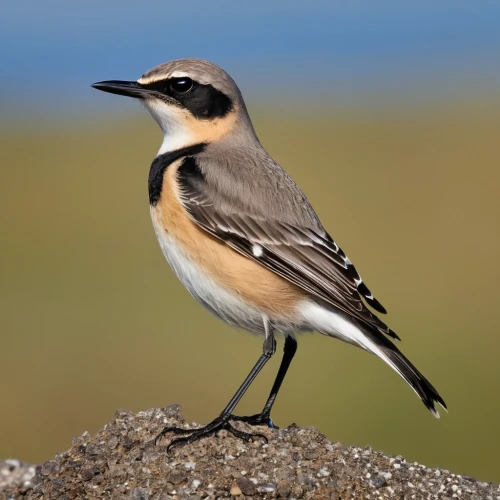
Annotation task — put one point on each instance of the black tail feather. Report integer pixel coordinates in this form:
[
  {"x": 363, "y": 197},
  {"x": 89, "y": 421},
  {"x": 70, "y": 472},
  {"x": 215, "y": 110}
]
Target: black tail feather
[
  {"x": 403, "y": 366},
  {"x": 424, "y": 389}
]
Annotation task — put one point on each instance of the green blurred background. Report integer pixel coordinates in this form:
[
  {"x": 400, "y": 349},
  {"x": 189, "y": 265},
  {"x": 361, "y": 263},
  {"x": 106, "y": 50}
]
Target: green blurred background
[{"x": 401, "y": 161}]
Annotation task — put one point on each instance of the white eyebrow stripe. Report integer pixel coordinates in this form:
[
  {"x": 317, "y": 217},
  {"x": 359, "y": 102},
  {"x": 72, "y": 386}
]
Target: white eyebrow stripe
[
  {"x": 178, "y": 74},
  {"x": 146, "y": 81},
  {"x": 157, "y": 78}
]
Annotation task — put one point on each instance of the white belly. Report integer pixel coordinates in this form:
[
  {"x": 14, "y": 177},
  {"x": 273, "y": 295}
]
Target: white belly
[{"x": 220, "y": 301}]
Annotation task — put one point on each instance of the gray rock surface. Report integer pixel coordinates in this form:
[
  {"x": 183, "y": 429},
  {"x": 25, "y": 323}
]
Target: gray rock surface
[
  {"x": 17, "y": 474},
  {"x": 122, "y": 462}
]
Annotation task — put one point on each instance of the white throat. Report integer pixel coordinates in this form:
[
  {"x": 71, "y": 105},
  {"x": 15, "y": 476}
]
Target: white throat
[{"x": 176, "y": 133}]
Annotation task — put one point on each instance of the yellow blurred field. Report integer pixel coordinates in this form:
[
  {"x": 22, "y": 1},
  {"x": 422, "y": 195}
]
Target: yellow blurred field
[{"x": 93, "y": 319}]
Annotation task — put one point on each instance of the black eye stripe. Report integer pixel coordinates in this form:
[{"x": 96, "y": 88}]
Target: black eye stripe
[{"x": 203, "y": 101}]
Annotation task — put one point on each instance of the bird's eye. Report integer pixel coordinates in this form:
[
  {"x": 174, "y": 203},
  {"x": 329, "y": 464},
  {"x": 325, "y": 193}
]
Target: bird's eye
[{"x": 181, "y": 85}]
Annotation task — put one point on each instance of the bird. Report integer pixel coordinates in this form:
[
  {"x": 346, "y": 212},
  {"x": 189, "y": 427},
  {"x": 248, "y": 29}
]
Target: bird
[{"x": 244, "y": 239}]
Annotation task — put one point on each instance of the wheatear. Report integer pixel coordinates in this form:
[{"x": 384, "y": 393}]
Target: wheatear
[{"x": 243, "y": 238}]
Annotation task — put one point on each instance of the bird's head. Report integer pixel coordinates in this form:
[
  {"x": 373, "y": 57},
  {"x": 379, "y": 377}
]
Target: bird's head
[{"x": 192, "y": 100}]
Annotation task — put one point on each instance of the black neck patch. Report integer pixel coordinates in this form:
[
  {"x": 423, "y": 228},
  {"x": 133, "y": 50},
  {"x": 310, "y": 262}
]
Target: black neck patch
[
  {"x": 202, "y": 101},
  {"x": 190, "y": 177},
  {"x": 161, "y": 163}
]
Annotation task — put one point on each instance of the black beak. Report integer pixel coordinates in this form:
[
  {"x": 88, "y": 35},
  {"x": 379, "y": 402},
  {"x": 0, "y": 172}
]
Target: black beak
[{"x": 129, "y": 89}]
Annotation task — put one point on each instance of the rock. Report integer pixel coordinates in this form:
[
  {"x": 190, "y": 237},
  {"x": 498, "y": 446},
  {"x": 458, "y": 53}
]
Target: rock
[
  {"x": 123, "y": 462},
  {"x": 15, "y": 473},
  {"x": 311, "y": 455},
  {"x": 235, "y": 491},
  {"x": 177, "y": 477},
  {"x": 49, "y": 467},
  {"x": 378, "y": 481},
  {"x": 246, "y": 486}
]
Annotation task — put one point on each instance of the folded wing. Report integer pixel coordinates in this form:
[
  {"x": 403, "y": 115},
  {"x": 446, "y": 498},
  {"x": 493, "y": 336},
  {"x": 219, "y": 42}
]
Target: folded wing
[{"x": 307, "y": 257}]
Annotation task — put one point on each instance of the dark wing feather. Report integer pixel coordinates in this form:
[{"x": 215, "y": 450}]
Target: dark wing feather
[{"x": 312, "y": 261}]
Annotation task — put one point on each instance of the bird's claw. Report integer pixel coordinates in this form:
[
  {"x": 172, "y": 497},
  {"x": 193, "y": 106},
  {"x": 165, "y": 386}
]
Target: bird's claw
[
  {"x": 220, "y": 423},
  {"x": 258, "y": 419}
]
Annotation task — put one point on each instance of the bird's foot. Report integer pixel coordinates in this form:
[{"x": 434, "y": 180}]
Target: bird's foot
[
  {"x": 192, "y": 435},
  {"x": 263, "y": 418}
]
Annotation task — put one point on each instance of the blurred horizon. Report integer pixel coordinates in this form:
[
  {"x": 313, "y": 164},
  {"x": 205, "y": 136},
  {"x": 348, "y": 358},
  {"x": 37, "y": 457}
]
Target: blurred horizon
[
  {"x": 387, "y": 116},
  {"x": 341, "y": 53}
]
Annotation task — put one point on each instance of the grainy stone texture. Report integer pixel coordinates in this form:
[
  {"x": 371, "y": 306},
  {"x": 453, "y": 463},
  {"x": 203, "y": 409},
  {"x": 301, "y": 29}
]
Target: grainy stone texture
[
  {"x": 14, "y": 473},
  {"x": 122, "y": 462}
]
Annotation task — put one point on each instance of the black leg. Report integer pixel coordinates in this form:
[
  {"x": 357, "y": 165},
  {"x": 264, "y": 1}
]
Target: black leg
[
  {"x": 264, "y": 418},
  {"x": 222, "y": 421}
]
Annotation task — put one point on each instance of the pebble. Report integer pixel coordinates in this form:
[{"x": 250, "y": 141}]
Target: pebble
[
  {"x": 235, "y": 491},
  {"x": 378, "y": 481},
  {"x": 311, "y": 455},
  {"x": 13, "y": 463},
  {"x": 323, "y": 472},
  {"x": 49, "y": 467},
  {"x": 266, "y": 488},
  {"x": 177, "y": 476},
  {"x": 247, "y": 486},
  {"x": 122, "y": 461}
]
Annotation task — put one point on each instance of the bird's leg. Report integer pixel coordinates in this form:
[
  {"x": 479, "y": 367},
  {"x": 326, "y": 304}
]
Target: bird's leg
[
  {"x": 222, "y": 421},
  {"x": 264, "y": 418}
]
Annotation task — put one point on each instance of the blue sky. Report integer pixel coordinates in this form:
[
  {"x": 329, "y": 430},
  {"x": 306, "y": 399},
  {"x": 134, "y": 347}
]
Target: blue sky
[{"x": 342, "y": 50}]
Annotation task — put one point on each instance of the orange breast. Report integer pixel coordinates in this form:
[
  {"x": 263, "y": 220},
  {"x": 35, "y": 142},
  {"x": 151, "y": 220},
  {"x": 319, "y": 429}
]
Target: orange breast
[{"x": 253, "y": 283}]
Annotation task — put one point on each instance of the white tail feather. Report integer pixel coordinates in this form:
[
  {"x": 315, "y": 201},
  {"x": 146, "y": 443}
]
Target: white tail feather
[{"x": 330, "y": 323}]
